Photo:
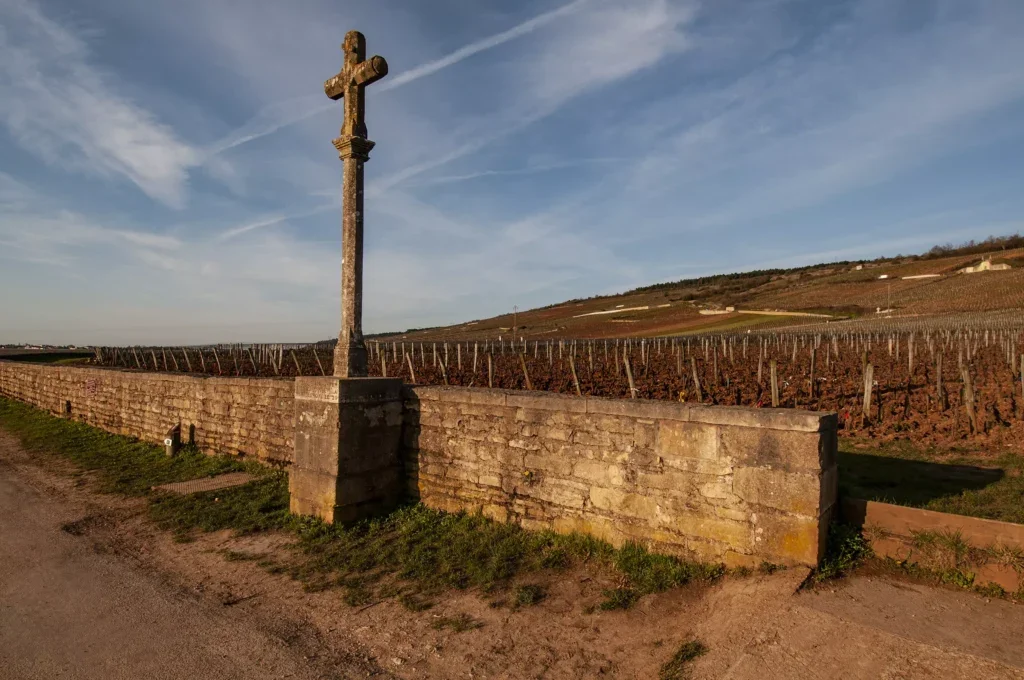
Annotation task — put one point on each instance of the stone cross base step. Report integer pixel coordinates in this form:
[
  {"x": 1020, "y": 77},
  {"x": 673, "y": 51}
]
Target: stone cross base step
[{"x": 207, "y": 483}]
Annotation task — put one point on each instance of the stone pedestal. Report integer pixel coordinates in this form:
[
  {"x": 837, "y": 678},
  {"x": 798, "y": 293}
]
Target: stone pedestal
[{"x": 347, "y": 437}]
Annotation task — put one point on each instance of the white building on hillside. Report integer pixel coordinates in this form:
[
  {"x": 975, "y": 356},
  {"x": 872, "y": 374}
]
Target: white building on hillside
[{"x": 985, "y": 266}]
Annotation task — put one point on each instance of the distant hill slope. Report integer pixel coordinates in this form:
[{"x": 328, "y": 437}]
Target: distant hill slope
[{"x": 775, "y": 298}]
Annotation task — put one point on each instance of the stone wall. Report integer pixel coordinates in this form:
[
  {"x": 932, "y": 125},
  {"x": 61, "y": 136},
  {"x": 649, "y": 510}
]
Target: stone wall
[
  {"x": 727, "y": 484},
  {"x": 736, "y": 485},
  {"x": 250, "y": 416}
]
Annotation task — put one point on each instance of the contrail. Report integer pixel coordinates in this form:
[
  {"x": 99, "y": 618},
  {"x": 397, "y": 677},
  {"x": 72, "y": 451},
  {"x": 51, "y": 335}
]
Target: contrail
[
  {"x": 462, "y": 53},
  {"x": 422, "y": 71},
  {"x": 271, "y": 221}
]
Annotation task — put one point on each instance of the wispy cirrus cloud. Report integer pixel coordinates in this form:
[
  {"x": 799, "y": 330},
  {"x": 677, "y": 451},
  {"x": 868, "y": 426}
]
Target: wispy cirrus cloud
[
  {"x": 527, "y": 153},
  {"x": 278, "y": 115},
  {"x": 61, "y": 107}
]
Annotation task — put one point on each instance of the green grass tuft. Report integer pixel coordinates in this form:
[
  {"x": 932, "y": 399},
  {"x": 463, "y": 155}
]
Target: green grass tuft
[
  {"x": 528, "y": 595},
  {"x": 618, "y": 598},
  {"x": 654, "y": 573},
  {"x": 676, "y": 667},
  {"x": 846, "y": 548}
]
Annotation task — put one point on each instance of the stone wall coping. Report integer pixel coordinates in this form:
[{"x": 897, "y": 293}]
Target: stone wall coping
[
  {"x": 769, "y": 418},
  {"x": 337, "y": 390},
  {"x": 160, "y": 376}
]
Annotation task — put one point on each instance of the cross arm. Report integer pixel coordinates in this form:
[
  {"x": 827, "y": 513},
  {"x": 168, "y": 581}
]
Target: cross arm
[{"x": 364, "y": 73}]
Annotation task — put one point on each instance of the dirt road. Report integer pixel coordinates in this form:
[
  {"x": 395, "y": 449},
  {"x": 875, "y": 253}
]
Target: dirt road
[
  {"x": 68, "y": 612},
  {"x": 90, "y": 589}
]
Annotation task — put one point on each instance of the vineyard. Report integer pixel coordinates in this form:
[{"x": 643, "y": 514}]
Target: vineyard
[{"x": 938, "y": 383}]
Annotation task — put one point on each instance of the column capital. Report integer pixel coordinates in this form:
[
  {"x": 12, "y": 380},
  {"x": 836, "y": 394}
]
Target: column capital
[{"x": 353, "y": 147}]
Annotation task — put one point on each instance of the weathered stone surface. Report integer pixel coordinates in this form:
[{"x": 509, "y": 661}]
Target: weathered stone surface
[
  {"x": 683, "y": 479},
  {"x": 231, "y": 416},
  {"x": 786, "y": 450},
  {"x": 785, "y": 538},
  {"x": 792, "y": 492},
  {"x": 347, "y": 463},
  {"x": 679, "y": 439}
]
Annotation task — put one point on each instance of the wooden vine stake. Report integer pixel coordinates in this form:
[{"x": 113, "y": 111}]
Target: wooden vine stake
[
  {"x": 696, "y": 379},
  {"x": 972, "y": 415},
  {"x": 575, "y": 380},
  {"x": 629, "y": 375},
  {"x": 813, "y": 355},
  {"x": 412, "y": 373},
  {"x": 298, "y": 369},
  {"x": 526, "y": 374},
  {"x": 490, "y": 370},
  {"x": 444, "y": 371},
  {"x": 940, "y": 396},
  {"x": 773, "y": 369},
  {"x": 321, "y": 366},
  {"x": 869, "y": 383}
]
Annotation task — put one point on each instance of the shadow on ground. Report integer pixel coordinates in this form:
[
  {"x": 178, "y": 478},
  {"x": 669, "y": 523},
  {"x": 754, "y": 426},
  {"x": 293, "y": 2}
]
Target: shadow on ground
[{"x": 909, "y": 482}]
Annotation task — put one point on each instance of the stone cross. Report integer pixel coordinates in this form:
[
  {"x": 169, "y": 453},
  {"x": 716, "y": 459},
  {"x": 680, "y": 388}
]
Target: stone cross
[{"x": 354, "y": 150}]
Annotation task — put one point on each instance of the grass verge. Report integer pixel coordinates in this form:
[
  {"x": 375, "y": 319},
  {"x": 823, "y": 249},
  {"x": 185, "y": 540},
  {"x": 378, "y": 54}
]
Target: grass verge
[
  {"x": 123, "y": 465},
  {"x": 411, "y": 554}
]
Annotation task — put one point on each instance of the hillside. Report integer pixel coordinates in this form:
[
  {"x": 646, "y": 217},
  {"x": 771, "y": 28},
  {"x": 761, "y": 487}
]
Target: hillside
[{"x": 774, "y": 298}]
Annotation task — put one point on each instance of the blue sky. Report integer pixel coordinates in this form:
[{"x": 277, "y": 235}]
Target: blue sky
[{"x": 167, "y": 175}]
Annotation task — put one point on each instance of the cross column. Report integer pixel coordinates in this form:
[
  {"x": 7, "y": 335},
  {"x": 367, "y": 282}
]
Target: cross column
[
  {"x": 348, "y": 427},
  {"x": 354, "y": 149},
  {"x": 350, "y": 353}
]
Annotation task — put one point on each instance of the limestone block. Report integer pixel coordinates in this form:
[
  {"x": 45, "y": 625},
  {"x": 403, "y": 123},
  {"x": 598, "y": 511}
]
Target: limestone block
[
  {"x": 798, "y": 493},
  {"x": 671, "y": 482},
  {"x": 598, "y": 472},
  {"x": 555, "y": 464},
  {"x": 788, "y": 539},
  {"x": 561, "y": 493},
  {"x": 791, "y": 420},
  {"x": 558, "y": 403},
  {"x": 792, "y": 451},
  {"x": 729, "y": 532},
  {"x": 638, "y": 408},
  {"x": 623, "y": 502},
  {"x": 678, "y": 439}
]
